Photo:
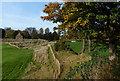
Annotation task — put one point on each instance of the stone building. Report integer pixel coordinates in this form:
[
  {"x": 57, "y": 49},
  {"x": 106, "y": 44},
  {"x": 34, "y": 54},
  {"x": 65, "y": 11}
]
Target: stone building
[{"x": 19, "y": 36}]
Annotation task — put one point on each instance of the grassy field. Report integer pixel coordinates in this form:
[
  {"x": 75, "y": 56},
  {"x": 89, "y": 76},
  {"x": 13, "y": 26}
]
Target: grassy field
[{"x": 14, "y": 61}]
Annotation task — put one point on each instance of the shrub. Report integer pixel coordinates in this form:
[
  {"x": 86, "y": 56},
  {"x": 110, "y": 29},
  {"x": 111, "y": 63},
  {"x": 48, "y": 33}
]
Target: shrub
[{"x": 60, "y": 45}]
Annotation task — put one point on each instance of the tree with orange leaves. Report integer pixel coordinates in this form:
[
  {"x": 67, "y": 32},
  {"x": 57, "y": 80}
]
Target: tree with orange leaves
[
  {"x": 54, "y": 12},
  {"x": 98, "y": 21}
]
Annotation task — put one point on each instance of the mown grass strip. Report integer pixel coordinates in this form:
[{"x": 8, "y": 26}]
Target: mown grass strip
[{"x": 14, "y": 61}]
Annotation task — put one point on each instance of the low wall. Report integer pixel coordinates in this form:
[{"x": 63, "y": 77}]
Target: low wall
[
  {"x": 22, "y": 40},
  {"x": 24, "y": 43}
]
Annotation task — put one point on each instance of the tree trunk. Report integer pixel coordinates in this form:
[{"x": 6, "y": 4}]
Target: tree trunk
[
  {"x": 83, "y": 46},
  {"x": 112, "y": 51},
  {"x": 89, "y": 45}
]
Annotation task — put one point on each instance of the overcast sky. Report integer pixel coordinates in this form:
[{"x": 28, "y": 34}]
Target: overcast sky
[{"x": 19, "y": 15}]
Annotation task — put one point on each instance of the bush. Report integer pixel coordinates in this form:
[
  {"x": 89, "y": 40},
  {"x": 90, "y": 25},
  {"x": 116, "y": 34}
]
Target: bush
[{"x": 60, "y": 45}]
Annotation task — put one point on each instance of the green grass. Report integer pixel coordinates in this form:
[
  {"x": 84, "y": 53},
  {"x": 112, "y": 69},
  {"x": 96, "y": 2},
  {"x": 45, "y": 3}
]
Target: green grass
[
  {"x": 102, "y": 50},
  {"x": 75, "y": 46},
  {"x": 0, "y": 61},
  {"x": 14, "y": 61}
]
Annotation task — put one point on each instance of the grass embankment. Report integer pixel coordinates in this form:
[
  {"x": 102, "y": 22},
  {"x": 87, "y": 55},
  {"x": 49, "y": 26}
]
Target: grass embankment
[
  {"x": 92, "y": 69},
  {"x": 99, "y": 67},
  {"x": 69, "y": 60},
  {"x": 52, "y": 62},
  {"x": 77, "y": 47},
  {"x": 81, "y": 67},
  {"x": 44, "y": 65},
  {"x": 14, "y": 61}
]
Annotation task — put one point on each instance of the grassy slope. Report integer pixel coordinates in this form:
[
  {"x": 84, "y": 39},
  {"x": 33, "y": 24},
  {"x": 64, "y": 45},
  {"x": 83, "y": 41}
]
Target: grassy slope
[
  {"x": 75, "y": 46},
  {"x": 101, "y": 51},
  {"x": 44, "y": 68},
  {"x": 69, "y": 60},
  {"x": 14, "y": 61}
]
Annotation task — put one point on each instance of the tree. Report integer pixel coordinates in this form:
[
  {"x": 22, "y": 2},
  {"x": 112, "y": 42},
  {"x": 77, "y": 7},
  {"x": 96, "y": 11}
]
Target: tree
[
  {"x": 8, "y": 28},
  {"x": 55, "y": 36},
  {"x": 41, "y": 30},
  {"x": 53, "y": 11},
  {"x": 75, "y": 18},
  {"x": 25, "y": 34},
  {"x": 41, "y": 36},
  {"x": 72, "y": 33},
  {"x": 63, "y": 15},
  {"x": 109, "y": 24},
  {"x": 102, "y": 19},
  {"x": 34, "y": 34},
  {"x": 15, "y": 33},
  {"x": 47, "y": 30},
  {"x": 30, "y": 29},
  {"x": 98, "y": 21},
  {"x": 55, "y": 28},
  {"x": 10, "y": 34},
  {"x": 2, "y": 33}
]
